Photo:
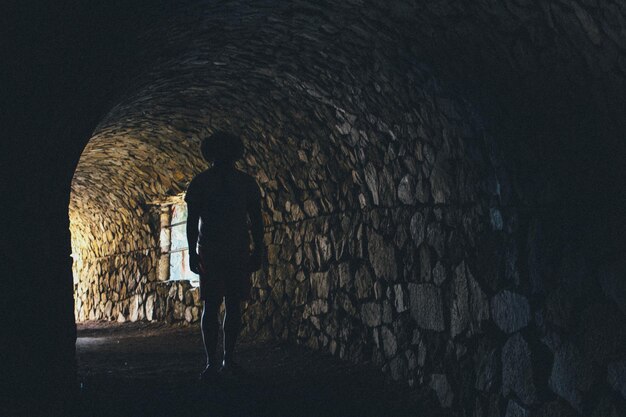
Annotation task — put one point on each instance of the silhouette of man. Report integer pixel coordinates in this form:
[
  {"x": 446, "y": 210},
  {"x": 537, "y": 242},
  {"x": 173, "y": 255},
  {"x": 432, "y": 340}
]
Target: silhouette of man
[{"x": 223, "y": 206}]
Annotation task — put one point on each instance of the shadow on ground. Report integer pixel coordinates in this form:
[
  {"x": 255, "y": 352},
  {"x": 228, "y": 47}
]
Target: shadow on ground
[{"x": 142, "y": 369}]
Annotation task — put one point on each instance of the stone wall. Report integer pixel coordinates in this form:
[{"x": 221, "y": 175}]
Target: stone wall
[
  {"x": 399, "y": 231},
  {"x": 373, "y": 254},
  {"x": 420, "y": 261}
]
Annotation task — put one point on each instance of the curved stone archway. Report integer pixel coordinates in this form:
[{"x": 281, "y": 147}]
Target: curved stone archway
[
  {"x": 377, "y": 188},
  {"x": 332, "y": 174}
]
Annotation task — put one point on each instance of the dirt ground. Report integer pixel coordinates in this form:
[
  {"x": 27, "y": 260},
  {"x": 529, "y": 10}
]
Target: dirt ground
[{"x": 142, "y": 369}]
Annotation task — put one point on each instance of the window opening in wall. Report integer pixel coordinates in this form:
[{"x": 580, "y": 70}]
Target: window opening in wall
[{"x": 174, "y": 261}]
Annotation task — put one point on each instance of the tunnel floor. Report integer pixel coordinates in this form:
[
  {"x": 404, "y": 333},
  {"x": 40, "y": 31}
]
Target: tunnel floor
[{"x": 147, "y": 369}]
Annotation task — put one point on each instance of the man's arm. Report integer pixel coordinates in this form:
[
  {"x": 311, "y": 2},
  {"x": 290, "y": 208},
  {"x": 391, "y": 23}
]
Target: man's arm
[
  {"x": 256, "y": 225},
  {"x": 193, "y": 217}
]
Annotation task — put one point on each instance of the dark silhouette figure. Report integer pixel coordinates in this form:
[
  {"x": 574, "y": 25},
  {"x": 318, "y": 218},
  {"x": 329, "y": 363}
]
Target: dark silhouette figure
[{"x": 224, "y": 206}]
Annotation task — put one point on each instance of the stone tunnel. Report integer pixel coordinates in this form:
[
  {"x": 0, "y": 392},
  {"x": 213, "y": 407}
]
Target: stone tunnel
[{"x": 441, "y": 184}]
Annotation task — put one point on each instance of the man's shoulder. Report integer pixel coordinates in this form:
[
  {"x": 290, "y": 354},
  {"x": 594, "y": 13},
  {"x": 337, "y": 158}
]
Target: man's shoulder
[
  {"x": 196, "y": 186},
  {"x": 203, "y": 176}
]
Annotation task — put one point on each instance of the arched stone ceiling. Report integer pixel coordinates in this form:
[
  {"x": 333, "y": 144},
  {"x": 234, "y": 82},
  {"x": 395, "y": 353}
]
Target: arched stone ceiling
[
  {"x": 300, "y": 77},
  {"x": 546, "y": 60}
]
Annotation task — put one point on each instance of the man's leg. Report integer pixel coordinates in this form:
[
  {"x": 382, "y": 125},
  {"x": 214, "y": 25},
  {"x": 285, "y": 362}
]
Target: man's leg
[
  {"x": 210, "y": 327},
  {"x": 232, "y": 325}
]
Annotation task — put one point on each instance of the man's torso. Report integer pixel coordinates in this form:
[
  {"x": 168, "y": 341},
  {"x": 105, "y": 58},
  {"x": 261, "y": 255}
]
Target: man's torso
[{"x": 222, "y": 196}]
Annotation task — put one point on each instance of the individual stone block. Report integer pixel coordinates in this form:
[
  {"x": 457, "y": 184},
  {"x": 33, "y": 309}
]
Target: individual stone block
[
  {"x": 418, "y": 228},
  {"x": 378, "y": 290},
  {"x": 421, "y": 353},
  {"x": 399, "y": 298},
  {"x": 195, "y": 312},
  {"x": 364, "y": 282},
  {"x": 134, "y": 307},
  {"x": 422, "y": 190},
  {"x": 345, "y": 303},
  {"x": 570, "y": 375},
  {"x": 479, "y": 304},
  {"x": 272, "y": 254},
  {"x": 196, "y": 297},
  {"x": 517, "y": 371},
  {"x": 345, "y": 277},
  {"x": 189, "y": 297},
  {"x": 300, "y": 294},
  {"x": 441, "y": 181},
  {"x": 188, "y": 314},
  {"x": 495, "y": 217},
  {"x": 310, "y": 208},
  {"x": 439, "y": 383},
  {"x": 387, "y": 313},
  {"x": 386, "y": 187},
  {"x": 510, "y": 311},
  {"x": 401, "y": 236},
  {"x": 150, "y": 307},
  {"x": 406, "y": 190},
  {"x": 382, "y": 256},
  {"x": 108, "y": 309},
  {"x": 487, "y": 367},
  {"x": 424, "y": 263},
  {"x": 320, "y": 284},
  {"x": 319, "y": 307},
  {"x": 411, "y": 359},
  {"x": 172, "y": 289},
  {"x": 390, "y": 343},
  {"x": 435, "y": 237},
  {"x": 178, "y": 310},
  {"x": 323, "y": 251},
  {"x": 459, "y": 306},
  {"x": 277, "y": 286},
  {"x": 397, "y": 368},
  {"x": 371, "y": 179},
  {"x": 426, "y": 306},
  {"x": 439, "y": 274},
  {"x": 371, "y": 314}
]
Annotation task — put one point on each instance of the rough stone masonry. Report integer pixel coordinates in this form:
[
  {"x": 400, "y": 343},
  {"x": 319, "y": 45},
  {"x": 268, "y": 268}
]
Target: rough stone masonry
[{"x": 397, "y": 231}]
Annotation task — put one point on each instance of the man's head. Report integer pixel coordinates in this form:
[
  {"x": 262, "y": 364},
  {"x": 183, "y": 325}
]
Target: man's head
[{"x": 222, "y": 147}]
